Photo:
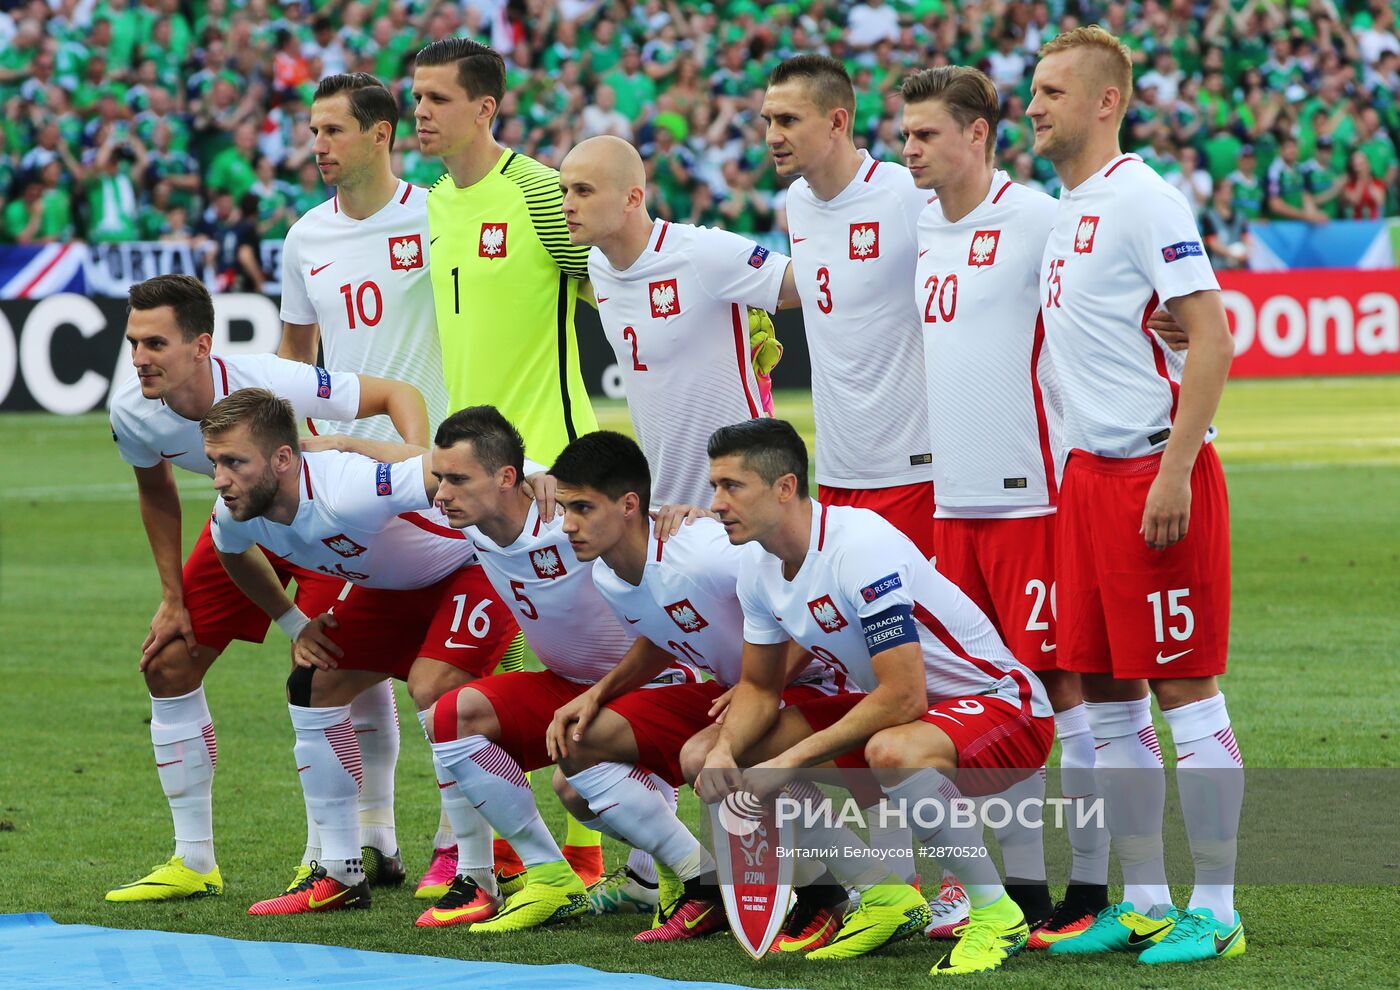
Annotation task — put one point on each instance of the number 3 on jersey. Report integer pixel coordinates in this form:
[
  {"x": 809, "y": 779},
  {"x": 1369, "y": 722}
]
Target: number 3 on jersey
[
  {"x": 824, "y": 286},
  {"x": 356, "y": 300}
]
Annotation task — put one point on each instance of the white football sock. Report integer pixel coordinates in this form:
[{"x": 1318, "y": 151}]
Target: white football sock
[
  {"x": 925, "y": 794},
  {"x": 1130, "y": 779},
  {"x": 182, "y": 735},
  {"x": 1210, "y": 779},
  {"x": 376, "y": 721},
  {"x": 817, "y": 829},
  {"x": 1022, "y": 845},
  {"x": 1088, "y": 842},
  {"x": 328, "y": 762},
  {"x": 470, "y": 832},
  {"x": 496, "y": 786},
  {"x": 895, "y": 841},
  {"x": 631, "y": 802}
]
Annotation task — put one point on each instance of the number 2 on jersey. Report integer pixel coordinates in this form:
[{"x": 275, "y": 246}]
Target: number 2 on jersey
[
  {"x": 630, "y": 333},
  {"x": 355, "y": 303}
]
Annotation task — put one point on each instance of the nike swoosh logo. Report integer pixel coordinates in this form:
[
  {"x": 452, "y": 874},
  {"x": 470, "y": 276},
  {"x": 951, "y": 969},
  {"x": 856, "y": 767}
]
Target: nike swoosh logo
[
  {"x": 798, "y": 240},
  {"x": 443, "y": 787},
  {"x": 321, "y": 268},
  {"x": 599, "y": 812},
  {"x": 1046, "y": 647},
  {"x": 478, "y": 805},
  {"x": 1174, "y": 656},
  {"x": 312, "y": 903},
  {"x": 631, "y": 620},
  {"x": 692, "y": 924},
  {"x": 1101, "y": 745},
  {"x": 458, "y": 646},
  {"x": 433, "y": 240},
  {"x": 1137, "y": 938},
  {"x": 923, "y": 252},
  {"x": 1221, "y": 944},
  {"x": 947, "y": 716},
  {"x": 603, "y": 299},
  {"x": 304, "y": 769},
  {"x": 181, "y": 453},
  {"x": 170, "y": 763}
]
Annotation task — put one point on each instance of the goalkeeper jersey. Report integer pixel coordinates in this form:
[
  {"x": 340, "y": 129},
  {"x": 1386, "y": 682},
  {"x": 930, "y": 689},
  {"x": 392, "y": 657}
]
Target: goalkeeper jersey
[{"x": 505, "y": 286}]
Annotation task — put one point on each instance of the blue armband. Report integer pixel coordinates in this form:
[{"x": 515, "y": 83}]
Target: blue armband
[{"x": 890, "y": 628}]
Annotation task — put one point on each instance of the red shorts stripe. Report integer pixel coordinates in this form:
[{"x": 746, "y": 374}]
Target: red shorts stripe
[{"x": 908, "y": 508}]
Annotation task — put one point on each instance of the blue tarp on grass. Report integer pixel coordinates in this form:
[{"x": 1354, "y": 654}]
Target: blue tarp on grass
[{"x": 36, "y": 953}]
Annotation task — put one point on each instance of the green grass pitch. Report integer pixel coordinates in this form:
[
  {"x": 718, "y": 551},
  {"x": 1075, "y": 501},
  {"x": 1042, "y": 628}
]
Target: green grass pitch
[{"x": 1314, "y": 473}]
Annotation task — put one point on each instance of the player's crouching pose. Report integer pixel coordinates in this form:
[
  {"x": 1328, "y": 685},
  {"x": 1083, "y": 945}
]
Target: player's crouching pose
[
  {"x": 409, "y": 602},
  {"x": 155, "y": 423},
  {"x": 945, "y": 694},
  {"x": 489, "y": 733},
  {"x": 613, "y": 741}
]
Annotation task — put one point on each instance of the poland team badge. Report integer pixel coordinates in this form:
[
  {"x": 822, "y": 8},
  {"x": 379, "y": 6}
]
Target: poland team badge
[
  {"x": 664, "y": 298},
  {"x": 683, "y": 614},
  {"x": 406, "y": 252},
  {"x": 755, "y": 878},
  {"x": 547, "y": 563},
  {"x": 826, "y": 613},
  {"x": 1084, "y": 234},
  {"x": 865, "y": 241},
  {"x": 983, "y": 249},
  {"x": 493, "y": 241}
]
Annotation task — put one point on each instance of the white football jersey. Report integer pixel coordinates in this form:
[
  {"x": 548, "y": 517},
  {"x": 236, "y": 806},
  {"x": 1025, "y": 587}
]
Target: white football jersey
[
  {"x": 148, "y": 431},
  {"x": 366, "y": 283},
  {"x": 858, "y": 566},
  {"x": 564, "y": 619},
  {"x": 678, "y": 322},
  {"x": 853, "y": 257},
  {"x": 359, "y": 520},
  {"x": 994, "y": 418},
  {"x": 1123, "y": 242},
  {"x": 688, "y": 603}
]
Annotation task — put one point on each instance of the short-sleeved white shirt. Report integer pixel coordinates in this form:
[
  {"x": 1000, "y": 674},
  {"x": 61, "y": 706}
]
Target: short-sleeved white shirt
[
  {"x": 359, "y": 520},
  {"x": 859, "y": 566},
  {"x": 993, "y": 402},
  {"x": 564, "y": 618},
  {"x": 677, "y": 319},
  {"x": 366, "y": 283},
  {"x": 148, "y": 431},
  {"x": 1123, "y": 242},
  {"x": 688, "y": 605},
  {"x": 853, "y": 258}
]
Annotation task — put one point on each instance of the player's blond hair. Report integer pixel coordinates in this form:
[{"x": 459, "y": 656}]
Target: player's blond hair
[
  {"x": 1115, "y": 60},
  {"x": 271, "y": 420},
  {"x": 966, "y": 93}
]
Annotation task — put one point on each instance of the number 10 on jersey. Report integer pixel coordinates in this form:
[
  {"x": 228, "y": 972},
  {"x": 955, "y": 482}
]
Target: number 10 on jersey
[{"x": 365, "y": 302}]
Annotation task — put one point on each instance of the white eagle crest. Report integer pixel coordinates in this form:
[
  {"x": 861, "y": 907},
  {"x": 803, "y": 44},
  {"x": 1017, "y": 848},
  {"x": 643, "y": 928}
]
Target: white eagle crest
[
  {"x": 546, "y": 562},
  {"x": 862, "y": 240},
  {"x": 826, "y": 615},
  {"x": 982, "y": 248},
  {"x": 686, "y": 618},
  {"x": 1085, "y": 234},
  {"x": 492, "y": 239},
  {"x": 406, "y": 252},
  {"x": 345, "y": 546},
  {"x": 663, "y": 298}
]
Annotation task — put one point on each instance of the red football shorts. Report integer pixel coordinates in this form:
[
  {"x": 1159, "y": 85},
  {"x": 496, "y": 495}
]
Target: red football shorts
[
  {"x": 524, "y": 702},
  {"x": 1124, "y": 608},
  {"x": 908, "y": 508},
  {"x": 459, "y": 620},
  {"x": 219, "y": 612},
  {"x": 998, "y": 743},
  {"x": 1006, "y": 566},
  {"x": 663, "y": 719}
]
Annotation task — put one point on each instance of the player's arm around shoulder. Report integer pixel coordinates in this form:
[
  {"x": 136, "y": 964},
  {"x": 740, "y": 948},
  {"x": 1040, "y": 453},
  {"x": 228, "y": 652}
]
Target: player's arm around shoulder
[{"x": 401, "y": 402}]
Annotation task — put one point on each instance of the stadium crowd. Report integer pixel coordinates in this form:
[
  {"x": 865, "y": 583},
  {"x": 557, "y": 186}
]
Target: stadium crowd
[{"x": 163, "y": 119}]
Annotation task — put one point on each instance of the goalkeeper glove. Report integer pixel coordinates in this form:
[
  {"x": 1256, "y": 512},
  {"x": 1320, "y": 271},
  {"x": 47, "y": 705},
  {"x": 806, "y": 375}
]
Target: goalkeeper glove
[{"x": 765, "y": 351}]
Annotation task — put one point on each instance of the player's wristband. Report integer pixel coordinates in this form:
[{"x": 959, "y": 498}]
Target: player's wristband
[{"x": 292, "y": 622}]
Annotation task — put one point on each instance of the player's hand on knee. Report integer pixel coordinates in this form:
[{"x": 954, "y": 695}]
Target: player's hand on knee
[
  {"x": 570, "y": 722},
  {"x": 314, "y": 648},
  {"x": 171, "y": 622},
  {"x": 721, "y": 706},
  {"x": 767, "y": 778},
  {"x": 1166, "y": 512},
  {"x": 670, "y": 518},
  {"x": 1164, "y": 325},
  {"x": 541, "y": 487},
  {"x": 720, "y": 777}
]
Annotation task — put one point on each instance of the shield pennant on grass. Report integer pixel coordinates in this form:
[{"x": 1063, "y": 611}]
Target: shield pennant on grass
[{"x": 755, "y": 877}]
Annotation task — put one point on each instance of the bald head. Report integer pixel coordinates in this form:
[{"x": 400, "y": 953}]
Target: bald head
[
  {"x": 607, "y": 160},
  {"x": 604, "y": 185}
]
